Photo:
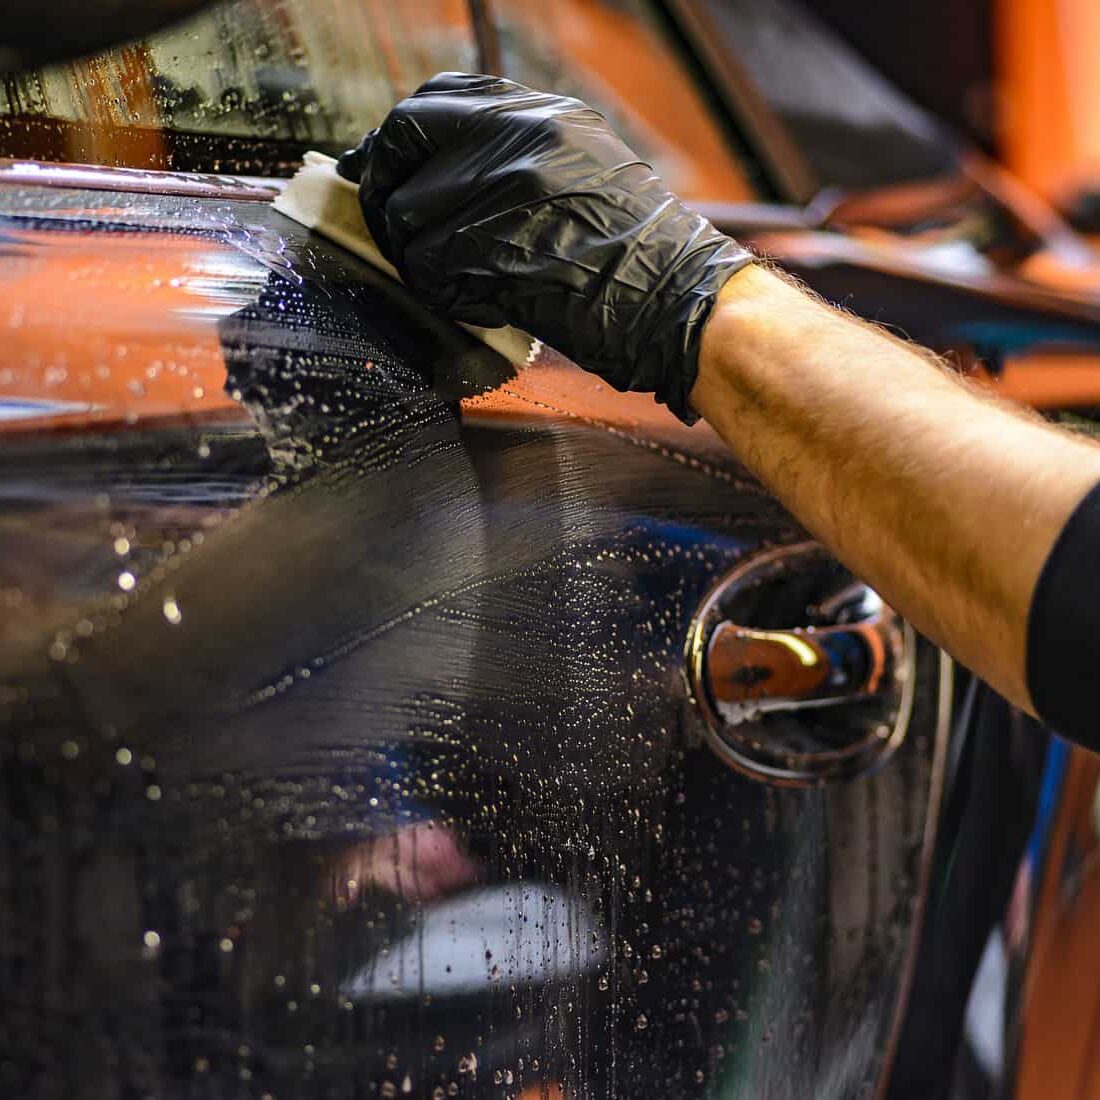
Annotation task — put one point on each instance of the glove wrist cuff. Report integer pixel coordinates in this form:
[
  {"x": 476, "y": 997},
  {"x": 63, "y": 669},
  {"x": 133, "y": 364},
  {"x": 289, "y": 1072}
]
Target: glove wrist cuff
[{"x": 668, "y": 362}]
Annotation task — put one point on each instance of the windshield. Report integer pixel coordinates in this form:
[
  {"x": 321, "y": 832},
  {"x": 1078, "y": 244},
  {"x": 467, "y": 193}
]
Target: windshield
[
  {"x": 852, "y": 128},
  {"x": 248, "y": 85}
]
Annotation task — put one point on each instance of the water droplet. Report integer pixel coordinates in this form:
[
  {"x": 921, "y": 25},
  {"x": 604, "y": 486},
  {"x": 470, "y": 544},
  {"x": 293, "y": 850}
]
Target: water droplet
[
  {"x": 124, "y": 756},
  {"x": 126, "y": 580},
  {"x": 172, "y": 611}
]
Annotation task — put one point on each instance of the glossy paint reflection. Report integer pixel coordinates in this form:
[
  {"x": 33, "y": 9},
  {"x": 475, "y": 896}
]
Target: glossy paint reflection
[{"x": 389, "y": 784}]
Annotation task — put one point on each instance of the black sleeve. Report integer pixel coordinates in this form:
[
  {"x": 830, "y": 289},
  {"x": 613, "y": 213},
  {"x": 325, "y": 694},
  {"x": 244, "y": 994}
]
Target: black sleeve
[{"x": 1063, "y": 635}]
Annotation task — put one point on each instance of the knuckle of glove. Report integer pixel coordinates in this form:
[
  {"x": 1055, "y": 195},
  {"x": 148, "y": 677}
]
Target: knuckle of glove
[{"x": 459, "y": 82}]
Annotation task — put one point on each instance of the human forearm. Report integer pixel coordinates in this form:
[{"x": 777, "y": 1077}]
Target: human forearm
[
  {"x": 945, "y": 499},
  {"x": 499, "y": 203}
]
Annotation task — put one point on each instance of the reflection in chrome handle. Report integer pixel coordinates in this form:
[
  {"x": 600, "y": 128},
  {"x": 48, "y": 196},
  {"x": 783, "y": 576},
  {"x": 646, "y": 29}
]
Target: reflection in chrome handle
[
  {"x": 754, "y": 671},
  {"x": 799, "y": 705}
]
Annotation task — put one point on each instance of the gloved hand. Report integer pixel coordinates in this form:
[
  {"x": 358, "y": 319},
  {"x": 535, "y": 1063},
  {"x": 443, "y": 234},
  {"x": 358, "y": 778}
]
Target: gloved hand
[{"x": 499, "y": 204}]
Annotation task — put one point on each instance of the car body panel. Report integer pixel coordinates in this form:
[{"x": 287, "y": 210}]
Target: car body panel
[{"x": 361, "y": 673}]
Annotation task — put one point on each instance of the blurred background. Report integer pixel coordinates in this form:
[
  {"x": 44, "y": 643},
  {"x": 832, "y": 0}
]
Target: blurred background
[{"x": 1014, "y": 76}]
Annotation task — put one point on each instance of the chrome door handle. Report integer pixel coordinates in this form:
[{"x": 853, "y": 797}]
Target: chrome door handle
[{"x": 800, "y": 672}]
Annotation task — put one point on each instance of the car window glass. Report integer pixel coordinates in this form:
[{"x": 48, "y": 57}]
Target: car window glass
[
  {"x": 243, "y": 87},
  {"x": 246, "y": 86},
  {"x": 615, "y": 56}
]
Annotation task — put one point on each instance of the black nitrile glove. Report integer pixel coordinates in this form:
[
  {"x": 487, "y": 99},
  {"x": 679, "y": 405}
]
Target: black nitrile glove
[{"x": 503, "y": 205}]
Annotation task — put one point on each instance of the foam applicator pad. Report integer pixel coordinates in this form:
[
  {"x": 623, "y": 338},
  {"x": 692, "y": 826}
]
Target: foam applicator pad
[{"x": 321, "y": 200}]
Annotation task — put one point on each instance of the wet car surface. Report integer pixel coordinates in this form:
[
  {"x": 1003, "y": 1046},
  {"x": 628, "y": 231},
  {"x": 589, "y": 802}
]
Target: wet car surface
[
  {"x": 348, "y": 750},
  {"x": 365, "y": 722}
]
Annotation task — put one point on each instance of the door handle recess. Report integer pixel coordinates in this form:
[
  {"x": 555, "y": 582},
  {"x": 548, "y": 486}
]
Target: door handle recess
[{"x": 800, "y": 672}]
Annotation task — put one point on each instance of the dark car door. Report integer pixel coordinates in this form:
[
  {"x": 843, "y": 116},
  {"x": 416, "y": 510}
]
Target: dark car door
[
  {"x": 364, "y": 731},
  {"x": 348, "y": 739}
]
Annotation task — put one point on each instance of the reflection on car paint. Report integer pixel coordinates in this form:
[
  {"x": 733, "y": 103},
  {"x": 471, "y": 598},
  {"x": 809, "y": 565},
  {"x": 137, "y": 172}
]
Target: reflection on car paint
[{"x": 25, "y": 408}]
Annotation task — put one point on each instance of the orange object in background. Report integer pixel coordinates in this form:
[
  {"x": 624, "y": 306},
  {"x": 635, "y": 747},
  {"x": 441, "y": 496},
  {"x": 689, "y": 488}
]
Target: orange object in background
[
  {"x": 1048, "y": 93},
  {"x": 622, "y": 63},
  {"x": 1048, "y": 129},
  {"x": 1052, "y": 380}
]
